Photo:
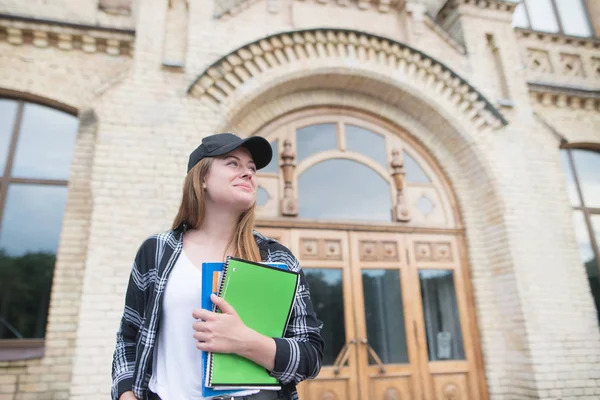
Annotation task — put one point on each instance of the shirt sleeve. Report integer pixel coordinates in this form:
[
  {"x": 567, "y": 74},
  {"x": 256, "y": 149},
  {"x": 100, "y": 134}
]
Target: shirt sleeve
[
  {"x": 299, "y": 353},
  {"x": 124, "y": 355}
]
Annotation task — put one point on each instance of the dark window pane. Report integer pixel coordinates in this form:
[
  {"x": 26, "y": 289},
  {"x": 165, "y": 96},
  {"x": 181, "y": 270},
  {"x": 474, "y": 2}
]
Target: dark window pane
[
  {"x": 587, "y": 165},
  {"x": 384, "y": 315},
  {"x": 542, "y": 15},
  {"x": 328, "y": 190},
  {"x": 442, "y": 322},
  {"x": 45, "y": 145},
  {"x": 273, "y": 166},
  {"x": 414, "y": 172},
  {"x": 573, "y": 17},
  {"x": 520, "y": 17},
  {"x": 8, "y": 114},
  {"x": 591, "y": 266},
  {"x": 314, "y": 139},
  {"x": 28, "y": 241},
  {"x": 571, "y": 186},
  {"x": 586, "y": 251},
  {"x": 326, "y": 291},
  {"x": 369, "y": 143}
]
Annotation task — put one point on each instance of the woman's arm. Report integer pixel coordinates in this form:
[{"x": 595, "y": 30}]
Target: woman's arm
[{"x": 124, "y": 355}]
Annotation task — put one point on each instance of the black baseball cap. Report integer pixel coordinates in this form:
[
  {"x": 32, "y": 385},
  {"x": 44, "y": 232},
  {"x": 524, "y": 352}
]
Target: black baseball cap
[{"x": 222, "y": 143}]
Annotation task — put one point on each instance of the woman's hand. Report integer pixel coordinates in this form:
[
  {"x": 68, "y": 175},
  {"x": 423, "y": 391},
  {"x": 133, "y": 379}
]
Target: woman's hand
[
  {"x": 226, "y": 333},
  {"x": 220, "y": 333},
  {"x": 127, "y": 396}
]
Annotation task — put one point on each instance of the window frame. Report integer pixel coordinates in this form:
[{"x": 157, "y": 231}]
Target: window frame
[
  {"x": 24, "y": 348},
  {"x": 586, "y": 211},
  {"x": 557, "y": 15}
]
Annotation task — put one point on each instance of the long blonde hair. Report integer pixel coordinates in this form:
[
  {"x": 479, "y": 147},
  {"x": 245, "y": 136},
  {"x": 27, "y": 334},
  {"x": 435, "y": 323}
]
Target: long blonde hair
[{"x": 192, "y": 209}]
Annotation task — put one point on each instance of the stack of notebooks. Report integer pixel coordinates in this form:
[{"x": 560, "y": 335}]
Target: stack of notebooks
[{"x": 263, "y": 297}]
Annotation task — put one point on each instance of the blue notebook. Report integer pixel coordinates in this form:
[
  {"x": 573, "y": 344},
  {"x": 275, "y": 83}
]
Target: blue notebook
[{"x": 211, "y": 279}]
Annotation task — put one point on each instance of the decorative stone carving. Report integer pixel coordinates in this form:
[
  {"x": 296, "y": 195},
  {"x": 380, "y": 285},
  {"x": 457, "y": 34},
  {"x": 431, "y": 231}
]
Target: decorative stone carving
[
  {"x": 372, "y": 250},
  {"x": 289, "y": 204},
  {"x": 224, "y": 77},
  {"x": 539, "y": 61},
  {"x": 67, "y": 37},
  {"x": 400, "y": 211},
  {"x": 596, "y": 66},
  {"x": 433, "y": 252},
  {"x": 571, "y": 65},
  {"x": 555, "y": 97},
  {"x": 118, "y": 7}
]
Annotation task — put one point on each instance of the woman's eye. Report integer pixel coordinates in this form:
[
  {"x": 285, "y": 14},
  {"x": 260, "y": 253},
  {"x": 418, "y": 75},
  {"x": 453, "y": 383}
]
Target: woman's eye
[{"x": 234, "y": 163}]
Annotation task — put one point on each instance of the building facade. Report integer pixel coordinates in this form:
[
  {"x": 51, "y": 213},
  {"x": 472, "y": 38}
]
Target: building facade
[{"x": 436, "y": 171}]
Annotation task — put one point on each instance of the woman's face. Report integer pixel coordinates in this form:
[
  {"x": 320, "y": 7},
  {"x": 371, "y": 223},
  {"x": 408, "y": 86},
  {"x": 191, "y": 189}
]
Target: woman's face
[{"x": 231, "y": 181}]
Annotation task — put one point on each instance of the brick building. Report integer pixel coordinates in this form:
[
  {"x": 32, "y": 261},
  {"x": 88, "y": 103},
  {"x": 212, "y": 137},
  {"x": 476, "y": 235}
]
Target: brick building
[{"x": 437, "y": 173}]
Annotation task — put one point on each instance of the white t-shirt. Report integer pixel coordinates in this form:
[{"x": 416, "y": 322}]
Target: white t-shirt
[{"x": 176, "y": 369}]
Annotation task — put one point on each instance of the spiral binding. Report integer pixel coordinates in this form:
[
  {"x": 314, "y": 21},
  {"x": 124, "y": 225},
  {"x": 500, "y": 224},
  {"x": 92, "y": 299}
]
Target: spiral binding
[{"x": 219, "y": 293}]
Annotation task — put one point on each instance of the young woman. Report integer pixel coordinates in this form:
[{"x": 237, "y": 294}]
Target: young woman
[{"x": 164, "y": 330}]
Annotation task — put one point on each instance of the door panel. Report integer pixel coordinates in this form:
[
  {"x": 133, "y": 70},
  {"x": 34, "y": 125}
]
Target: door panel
[
  {"x": 387, "y": 352},
  {"x": 324, "y": 257},
  {"x": 442, "y": 325}
]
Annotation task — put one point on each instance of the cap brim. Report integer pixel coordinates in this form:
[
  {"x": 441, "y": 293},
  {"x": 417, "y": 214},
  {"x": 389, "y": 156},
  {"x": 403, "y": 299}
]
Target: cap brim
[{"x": 259, "y": 148}]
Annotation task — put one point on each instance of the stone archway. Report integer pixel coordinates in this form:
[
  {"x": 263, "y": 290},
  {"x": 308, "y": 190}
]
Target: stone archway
[{"x": 291, "y": 71}]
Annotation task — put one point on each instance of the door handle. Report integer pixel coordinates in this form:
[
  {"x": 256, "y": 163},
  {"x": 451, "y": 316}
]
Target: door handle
[
  {"x": 373, "y": 354},
  {"x": 342, "y": 357}
]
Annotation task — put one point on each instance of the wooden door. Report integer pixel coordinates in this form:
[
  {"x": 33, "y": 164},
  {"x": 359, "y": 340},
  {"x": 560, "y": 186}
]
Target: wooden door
[{"x": 398, "y": 323}]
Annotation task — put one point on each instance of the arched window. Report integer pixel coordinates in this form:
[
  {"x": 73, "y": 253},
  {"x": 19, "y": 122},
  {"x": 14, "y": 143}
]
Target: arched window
[
  {"x": 342, "y": 166},
  {"x": 583, "y": 184},
  {"x": 36, "y": 149}
]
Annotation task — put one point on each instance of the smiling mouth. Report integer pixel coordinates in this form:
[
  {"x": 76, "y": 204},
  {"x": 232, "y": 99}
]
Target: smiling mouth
[{"x": 246, "y": 187}]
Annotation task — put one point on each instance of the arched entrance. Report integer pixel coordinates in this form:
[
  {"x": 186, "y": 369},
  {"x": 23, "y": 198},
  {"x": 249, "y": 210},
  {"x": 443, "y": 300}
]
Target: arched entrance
[{"x": 376, "y": 228}]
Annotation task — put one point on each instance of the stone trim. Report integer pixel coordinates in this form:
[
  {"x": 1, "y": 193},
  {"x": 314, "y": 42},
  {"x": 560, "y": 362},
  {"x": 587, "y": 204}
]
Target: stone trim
[
  {"x": 500, "y": 5},
  {"x": 65, "y": 36},
  {"x": 226, "y": 75},
  {"x": 559, "y": 38},
  {"x": 230, "y": 7},
  {"x": 437, "y": 28},
  {"x": 560, "y": 96}
]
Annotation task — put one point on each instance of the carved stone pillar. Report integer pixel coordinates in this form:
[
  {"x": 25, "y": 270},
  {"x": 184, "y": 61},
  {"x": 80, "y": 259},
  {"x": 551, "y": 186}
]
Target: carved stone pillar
[
  {"x": 289, "y": 203},
  {"x": 400, "y": 211}
]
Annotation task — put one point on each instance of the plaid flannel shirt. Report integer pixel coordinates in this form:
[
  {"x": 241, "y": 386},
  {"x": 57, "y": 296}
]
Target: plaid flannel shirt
[{"x": 299, "y": 353}]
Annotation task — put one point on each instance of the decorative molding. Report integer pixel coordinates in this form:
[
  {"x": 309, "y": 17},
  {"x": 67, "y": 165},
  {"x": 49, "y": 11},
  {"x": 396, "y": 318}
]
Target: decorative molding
[
  {"x": 400, "y": 212},
  {"x": 65, "y": 36},
  {"x": 562, "y": 97},
  {"x": 230, "y": 7},
  {"x": 437, "y": 28},
  {"x": 433, "y": 252},
  {"x": 500, "y": 5},
  {"x": 321, "y": 249},
  {"x": 373, "y": 250},
  {"x": 538, "y": 61},
  {"x": 452, "y": 392},
  {"x": 226, "y": 75},
  {"x": 289, "y": 203},
  {"x": 557, "y": 38}
]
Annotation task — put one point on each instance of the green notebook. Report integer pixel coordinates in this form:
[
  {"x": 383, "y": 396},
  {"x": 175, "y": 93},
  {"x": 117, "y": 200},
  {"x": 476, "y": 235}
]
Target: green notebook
[{"x": 263, "y": 297}]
